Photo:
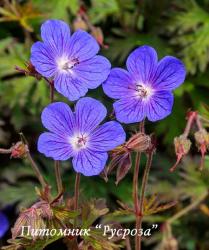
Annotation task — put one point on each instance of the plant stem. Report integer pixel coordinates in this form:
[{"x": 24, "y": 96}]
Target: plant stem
[
  {"x": 76, "y": 195},
  {"x": 36, "y": 170},
  {"x": 56, "y": 163},
  {"x": 135, "y": 189},
  {"x": 51, "y": 85},
  {"x": 199, "y": 123},
  {"x": 76, "y": 192},
  {"x": 5, "y": 151},
  {"x": 189, "y": 124},
  {"x": 58, "y": 176},
  {"x": 143, "y": 190},
  {"x": 128, "y": 244},
  {"x": 145, "y": 179},
  {"x": 135, "y": 195}
]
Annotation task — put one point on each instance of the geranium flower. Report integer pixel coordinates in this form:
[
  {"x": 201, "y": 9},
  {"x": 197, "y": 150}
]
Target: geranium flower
[
  {"x": 4, "y": 224},
  {"x": 145, "y": 90},
  {"x": 79, "y": 135},
  {"x": 70, "y": 60}
]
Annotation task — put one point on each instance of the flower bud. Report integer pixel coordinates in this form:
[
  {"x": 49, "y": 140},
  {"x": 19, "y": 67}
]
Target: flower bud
[
  {"x": 139, "y": 142},
  {"x": 170, "y": 244},
  {"x": 202, "y": 141},
  {"x": 19, "y": 150},
  {"x": 123, "y": 168},
  {"x": 79, "y": 23},
  {"x": 182, "y": 147},
  {"x": 99, "y": 36}
]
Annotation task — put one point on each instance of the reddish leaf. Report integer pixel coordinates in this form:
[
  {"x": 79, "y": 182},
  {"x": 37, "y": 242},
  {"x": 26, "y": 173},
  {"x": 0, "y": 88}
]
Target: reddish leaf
[{"x": 124, "y": 166}]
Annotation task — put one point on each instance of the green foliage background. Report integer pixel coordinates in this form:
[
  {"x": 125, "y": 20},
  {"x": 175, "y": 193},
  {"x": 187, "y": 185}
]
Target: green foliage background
[{"x": 176, "y": 27}]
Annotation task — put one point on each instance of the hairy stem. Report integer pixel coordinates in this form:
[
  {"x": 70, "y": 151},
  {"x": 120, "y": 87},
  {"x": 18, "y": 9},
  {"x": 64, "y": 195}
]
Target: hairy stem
[
  {"x": 58, "y": 176},
  {"x": 199, "y": 123},
  {"x": 135, "y": 195},
  {"x": 56, "y": 163},
  {"x": 143, "y": 189},
  {"x": 145, "y": 179},
  {"x": 5, "y": 151},
  {"x": 76, "y": 192},
  {"x": 51, "y": 85},
  {"x": 135, "y": 189},
  {"x": 128, "y": 244},
  {"x": 36, "y": 170},
  {"x": 189, "y": 124}
]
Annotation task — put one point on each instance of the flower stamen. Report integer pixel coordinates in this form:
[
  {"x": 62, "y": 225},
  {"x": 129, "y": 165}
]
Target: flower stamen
[
  {"x": 79, "y": 142},
  {"x": 143, "y": 91},
  {"x": 64, "y": 64}
]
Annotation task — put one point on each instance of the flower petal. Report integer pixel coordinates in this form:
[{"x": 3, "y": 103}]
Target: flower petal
[
  {"x": 69, "y": 86},
  {"x": 55, "y": 146},
  {"x": 119, "y": 84},
  {"x": 129, "y": 110},
  {"x": 93, "y": 72},
  {"x": 160, "y": 105},
  {"x": 90, "y": 162},
  {"x": 4, "y": 224},
  {"x": 107, "y": 136},
  {"x": 89, "y": 113},
  {"x": 42, "y": 58},
  {"x": 142, "y": 63},
  {"x": 83, "y": 46},
  {"x": 58, "y": 118},
  {"x": 56, "y": 34},
  {"x": 170, "y": 74}
]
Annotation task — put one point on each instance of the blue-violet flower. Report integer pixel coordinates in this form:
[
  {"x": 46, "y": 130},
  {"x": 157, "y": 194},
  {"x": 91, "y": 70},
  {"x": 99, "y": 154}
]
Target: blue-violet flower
[
  {"x": 4, "y": 224},
  {"x": 145, "y": 88},
  {"x": 71, "y": 61},
  {"x": 79, "y": 135}
]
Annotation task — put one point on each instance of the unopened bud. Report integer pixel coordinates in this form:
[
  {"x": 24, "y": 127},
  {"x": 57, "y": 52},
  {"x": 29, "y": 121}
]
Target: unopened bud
[
  {"x": 170, "y": 244},
  {"x": 202, "y": 141},
  {"x": 139, "y": 142},
  {"x": 182, "y": 147},
  {"x": 98, "y": 34},
  {"x": 19, "y": 150},
  {"x": 79, "y": 23},
  {"x": 123, "y": 168}
]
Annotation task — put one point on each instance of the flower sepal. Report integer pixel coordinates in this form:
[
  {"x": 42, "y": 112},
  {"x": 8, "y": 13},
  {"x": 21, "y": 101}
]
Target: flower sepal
[
  {"x": 182, "y": 147},
  {"x": 139, "y": 142},
  {"x": 19, "y": 150},
  {"x": 202, "y": 141}
]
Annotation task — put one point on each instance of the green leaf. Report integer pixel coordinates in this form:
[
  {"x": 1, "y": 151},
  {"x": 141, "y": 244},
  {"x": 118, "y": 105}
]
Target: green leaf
[
  {"x": 23, "y": 193},
  {"x": 63, "y": 214},
  {"x": 92, "y": 210},
  {"x": 190, "y": 28},
  {"x": 29, "y": 244},
  {"x": 102, "y": 9},
  {"x": 59, "y": 9}
]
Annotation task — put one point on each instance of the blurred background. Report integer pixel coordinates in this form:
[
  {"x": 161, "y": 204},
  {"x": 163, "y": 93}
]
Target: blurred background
[{"x": 172, "y": 27}]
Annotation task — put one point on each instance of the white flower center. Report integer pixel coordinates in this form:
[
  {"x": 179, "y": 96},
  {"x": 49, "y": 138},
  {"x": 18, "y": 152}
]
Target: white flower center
[
  {"x": 79, "y": 141},
  {"x": 144, "y": 91},
  {"x": 65, "y": 64}
]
